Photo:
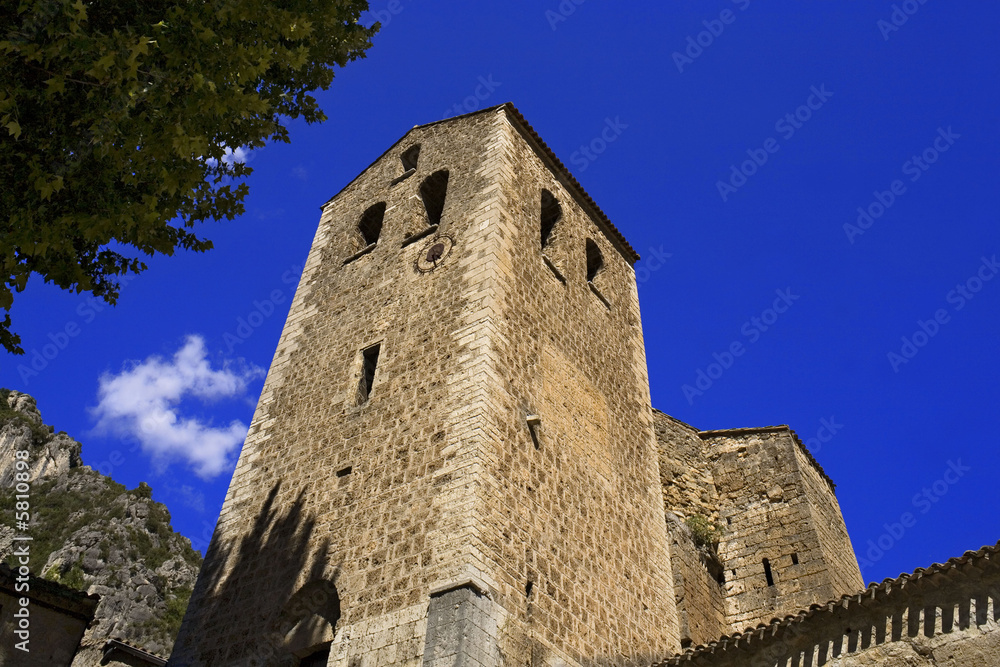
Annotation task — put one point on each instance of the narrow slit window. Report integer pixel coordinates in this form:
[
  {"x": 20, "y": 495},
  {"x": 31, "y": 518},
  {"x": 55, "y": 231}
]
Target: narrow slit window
[
  {"x": 370, "y": 225},
  {"x": 767, "y": 572},
  {"x": 433, "y": 191},
  {"x": 550, "y": 214},
  {"x": 368, "y": 363},
  {"x": 409, "y": 157},
  {"x": 795, "y": 559},
  {"x": 595, "y": 261}
]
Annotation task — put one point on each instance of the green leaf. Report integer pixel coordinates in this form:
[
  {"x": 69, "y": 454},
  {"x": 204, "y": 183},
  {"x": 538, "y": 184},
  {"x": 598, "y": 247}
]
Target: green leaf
[{"x": 120, "y": 122}]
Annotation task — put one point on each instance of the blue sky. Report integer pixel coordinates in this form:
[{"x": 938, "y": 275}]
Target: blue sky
[{"x": 746, "y": 135}]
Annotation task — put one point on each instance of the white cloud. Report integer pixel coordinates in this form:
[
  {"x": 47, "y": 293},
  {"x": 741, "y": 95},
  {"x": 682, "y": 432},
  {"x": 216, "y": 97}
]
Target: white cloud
[{"x": 142, "y": 401}]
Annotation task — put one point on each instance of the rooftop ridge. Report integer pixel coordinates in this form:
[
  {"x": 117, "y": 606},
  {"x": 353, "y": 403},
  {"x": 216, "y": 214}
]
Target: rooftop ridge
[
  {"x": 678, "y": 421},
  {"x": 117, "y": 643}
]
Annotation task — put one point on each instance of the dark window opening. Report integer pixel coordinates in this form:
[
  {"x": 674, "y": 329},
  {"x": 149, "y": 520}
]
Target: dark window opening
[
  {"x": 528, "y": 588},
  {"x": 767, "y": 572},
  {"x": 795, "y": 559},
  {"x": 595, "y": 261},
  {"x": 729, "y": 521},
  {"x": 370, "y": 224},
  {"x": 318, "y": 658},
  {"x": 344, "y": 472},
  {"x": 368, "y": 364},
  {"x": 550, "y": 215},
  {"x": 433, "y": 191},
  {"x": 410, "y": 157}
]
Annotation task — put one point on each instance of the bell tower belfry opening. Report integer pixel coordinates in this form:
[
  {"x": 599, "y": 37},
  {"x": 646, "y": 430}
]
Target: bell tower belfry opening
[{"x": 491, "y": 407}]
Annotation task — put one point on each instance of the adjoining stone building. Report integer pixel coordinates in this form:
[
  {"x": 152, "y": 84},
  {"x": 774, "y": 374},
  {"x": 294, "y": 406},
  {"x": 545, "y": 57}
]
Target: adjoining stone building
[
  {"x": 454, "y": 460},
  {"x": 41, "y": 621}
]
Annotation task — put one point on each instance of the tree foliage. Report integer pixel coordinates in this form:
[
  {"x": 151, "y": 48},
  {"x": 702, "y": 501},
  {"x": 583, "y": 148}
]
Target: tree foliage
[{"x": 118, "y": 119}]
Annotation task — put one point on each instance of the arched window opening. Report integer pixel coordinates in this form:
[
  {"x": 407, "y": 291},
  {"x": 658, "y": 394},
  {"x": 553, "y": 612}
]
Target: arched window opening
[
  {"x": 409, "y": 157},
  {"x": 370, "y": 224},
  {"x": 550, "y": 214},
  {"x": 308, "y": 623},
  {"x": 595, "y": 261},
  {"x": 767, "y": 572},
  {"x": 433, "y": 191}
]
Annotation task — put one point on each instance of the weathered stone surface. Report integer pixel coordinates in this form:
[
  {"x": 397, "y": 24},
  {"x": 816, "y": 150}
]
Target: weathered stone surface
[
  {"x": 561, "y": 525},
  {"x": 454, "y": 460}
]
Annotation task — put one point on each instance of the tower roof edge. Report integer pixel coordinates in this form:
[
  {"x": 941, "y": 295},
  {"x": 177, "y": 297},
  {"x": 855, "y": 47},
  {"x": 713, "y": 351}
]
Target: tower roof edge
[{"x": 548, "y": 157}]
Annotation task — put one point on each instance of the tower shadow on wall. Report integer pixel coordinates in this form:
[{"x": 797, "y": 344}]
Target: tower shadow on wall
[{"x": 231, "y": 594}]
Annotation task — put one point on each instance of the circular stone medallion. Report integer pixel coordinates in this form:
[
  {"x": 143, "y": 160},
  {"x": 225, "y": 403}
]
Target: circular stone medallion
[{"x": 433, "y": 253}]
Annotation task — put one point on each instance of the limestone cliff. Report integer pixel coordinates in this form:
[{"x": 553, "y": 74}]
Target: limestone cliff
[{"x": 91, "y": 533}]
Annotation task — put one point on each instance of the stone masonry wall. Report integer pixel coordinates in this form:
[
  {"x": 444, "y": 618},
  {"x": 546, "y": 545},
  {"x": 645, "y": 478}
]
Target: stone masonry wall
[
  {"x": 686, "y": 477},
  {"x": 838, "y": 552},
  {"x": 571, "y": 517},
  {"x": 771, "y": 498},
  {"x": 689, "y": 490},
  {"x": 433, "y": 488},
  {"x": 701, "y": 598},
  {"x": 374, "y": 498}
]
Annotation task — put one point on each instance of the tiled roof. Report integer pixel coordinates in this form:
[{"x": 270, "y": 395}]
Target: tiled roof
[
  {"x": 970, "y": 560},
  {"x": 133, "y": 650}
]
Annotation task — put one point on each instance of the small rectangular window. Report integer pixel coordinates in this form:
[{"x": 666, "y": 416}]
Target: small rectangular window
[
  {"x": 369, "y": 360},
  {"x": 795, "y": 559}
]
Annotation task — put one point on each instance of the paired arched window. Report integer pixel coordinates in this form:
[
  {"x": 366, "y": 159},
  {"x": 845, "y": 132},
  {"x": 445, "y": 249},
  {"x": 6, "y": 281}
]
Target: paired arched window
[
  {"x": 595, "y": 261},
  {"x": 550, "y": 214},
  {"x": 370, "y": 225},
  {"x": 433, "y": 191},
  {"x": 409, "y": 157}
]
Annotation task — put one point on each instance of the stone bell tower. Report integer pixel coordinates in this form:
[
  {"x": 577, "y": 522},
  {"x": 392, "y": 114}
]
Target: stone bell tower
[{"x": 453, "y": 459}]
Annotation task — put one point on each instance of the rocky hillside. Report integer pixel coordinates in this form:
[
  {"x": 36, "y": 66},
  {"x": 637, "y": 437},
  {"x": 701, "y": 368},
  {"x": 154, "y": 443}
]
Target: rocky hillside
[{"x": 94, "y": 534}]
